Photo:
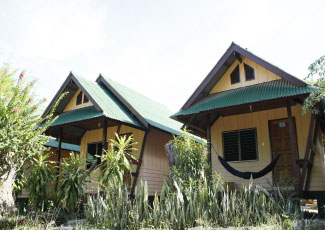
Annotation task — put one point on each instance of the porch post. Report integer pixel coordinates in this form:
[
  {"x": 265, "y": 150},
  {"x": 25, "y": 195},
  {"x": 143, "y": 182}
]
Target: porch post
[
  {"x": 293, "y": 144},
  {"x": 209, "y": 139},
  {"x": 59, "y": 156},
  {"x": 104, "y": 141}
]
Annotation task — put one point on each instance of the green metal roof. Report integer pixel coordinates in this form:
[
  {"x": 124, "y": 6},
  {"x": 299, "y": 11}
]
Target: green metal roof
[
  {"x": 250, "y": 94},
  {"x": 77, "y": 115},
  {"x": 154, "y": 113},
  {"x": 53, "y": 143}
]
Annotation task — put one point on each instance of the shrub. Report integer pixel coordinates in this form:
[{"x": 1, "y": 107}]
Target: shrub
[
  {"x": 39, "y": 179},
  {"x": 72, "y": 178}
]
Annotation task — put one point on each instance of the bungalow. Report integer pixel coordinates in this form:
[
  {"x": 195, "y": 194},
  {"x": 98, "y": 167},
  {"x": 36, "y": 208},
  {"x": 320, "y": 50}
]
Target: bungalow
[
  {"x": 250, "y": 111},
  {"x": 92, "y": 112}
]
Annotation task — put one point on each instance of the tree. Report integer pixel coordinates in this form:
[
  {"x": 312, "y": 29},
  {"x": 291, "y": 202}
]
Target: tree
[
  {"x": 316, "y": 70},
  {"x": 21, "y": 132}
]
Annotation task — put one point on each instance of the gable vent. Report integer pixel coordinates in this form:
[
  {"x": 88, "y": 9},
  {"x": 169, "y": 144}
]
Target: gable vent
[
  {"x": 234, "y": 76},
  {"x": 249, "y": 73}
]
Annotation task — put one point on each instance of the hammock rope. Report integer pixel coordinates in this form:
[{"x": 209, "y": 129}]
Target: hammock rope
[{"x": 247, "y": 175}]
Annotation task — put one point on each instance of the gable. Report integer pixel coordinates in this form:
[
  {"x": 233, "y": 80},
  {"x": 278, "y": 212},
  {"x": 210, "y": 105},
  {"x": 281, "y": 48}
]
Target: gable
[
  {"x": 72, "y": 105},
  {"x": 261, "y": 75}
]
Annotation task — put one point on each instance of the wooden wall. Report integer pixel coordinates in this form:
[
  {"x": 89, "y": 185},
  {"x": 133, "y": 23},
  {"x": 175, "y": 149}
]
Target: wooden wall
[
  {"x": 259, "y": 120},
  {"x": 72, "y": 104},
  {"x": 261, "y": 75},
  {"x": 155, "y": 162}
]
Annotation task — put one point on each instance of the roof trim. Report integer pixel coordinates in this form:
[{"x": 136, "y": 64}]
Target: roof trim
[
  {"x": 70, "y": 78},
  {"x": 101, "y": 79},
  {"x": 234, "y": 48}
]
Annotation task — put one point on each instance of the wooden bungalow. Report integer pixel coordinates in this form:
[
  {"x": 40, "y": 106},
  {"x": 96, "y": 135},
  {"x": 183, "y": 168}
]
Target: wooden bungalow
[
  {"x": 250, "y": 111},
  {"x": 93, "y": 111}
]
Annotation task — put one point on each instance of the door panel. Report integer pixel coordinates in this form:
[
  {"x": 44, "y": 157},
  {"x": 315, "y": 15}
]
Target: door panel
[{"x": 280, "y": 144}]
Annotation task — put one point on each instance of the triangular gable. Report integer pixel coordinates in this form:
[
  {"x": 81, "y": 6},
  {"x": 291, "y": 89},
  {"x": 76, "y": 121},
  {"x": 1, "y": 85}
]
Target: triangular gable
[
  {"x": 70, "y": 86},
  {"x": 231, "y": 55},
  {"x": 102, "y": 100}
]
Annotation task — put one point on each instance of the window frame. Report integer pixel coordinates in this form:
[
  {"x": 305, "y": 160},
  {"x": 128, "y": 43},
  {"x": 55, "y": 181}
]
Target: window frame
[
  {"x": 239, "y": 145},
  {"x": 97, "y": 143}
]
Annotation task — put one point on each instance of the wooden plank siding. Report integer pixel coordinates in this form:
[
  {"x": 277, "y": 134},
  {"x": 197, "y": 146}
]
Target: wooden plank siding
[
  {"x": 72, "y": 105},
  {"x": 261, "y": 75},
  {"x": 259, "y": 120},
  {"x": 155, "y": 162}
]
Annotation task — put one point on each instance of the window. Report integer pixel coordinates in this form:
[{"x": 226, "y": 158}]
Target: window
[
  {"x": 79, "y": 99},
  {"x": 240, "y": 145},
  {"x": 249, "y": 73},
  {"x": 234, "y": 76},
  {"x": 94, "y": 151},
  {"x": 85, "y": 99}
]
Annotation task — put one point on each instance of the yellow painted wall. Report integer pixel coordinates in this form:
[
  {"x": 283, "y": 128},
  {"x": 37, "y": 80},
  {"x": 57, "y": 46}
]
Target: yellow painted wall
[
  {"x": 72, "y": 104},
  {"x": 155, "y": 162},
  {"x": 261, "y": 75},
  {"x": 97, "y": 136},
  {"x": 259, "y": 120}
]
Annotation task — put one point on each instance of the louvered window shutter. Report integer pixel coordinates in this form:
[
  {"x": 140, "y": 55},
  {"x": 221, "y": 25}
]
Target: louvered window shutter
[
  {"x": 79, "y": 99},
  {"x": 249, "y": 73},
  {"x": 234, "y": 76}
]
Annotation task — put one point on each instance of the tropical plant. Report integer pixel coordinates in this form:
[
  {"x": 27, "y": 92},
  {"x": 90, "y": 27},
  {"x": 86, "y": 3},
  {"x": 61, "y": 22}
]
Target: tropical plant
[
  {"x": 72, "y": 178},
  {"x": 115, "y": 162},
  {"x": 316, "y": 77},
  {"x": 39, "y": 180},
  {"x": 187, "y": 159},
  {"x": 20, "y": 131}
]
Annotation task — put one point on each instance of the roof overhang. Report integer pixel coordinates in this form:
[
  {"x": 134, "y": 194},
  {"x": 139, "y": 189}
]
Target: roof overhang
[{"x": 233, "y": 53}]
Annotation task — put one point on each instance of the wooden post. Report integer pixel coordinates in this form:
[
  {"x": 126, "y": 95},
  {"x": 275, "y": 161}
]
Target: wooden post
[
  {"x": 59, "y": 156},
  {"x": 209, "y": 139},
  {"x": 104, "y": 141},
  {"x": 293, "y": 143}
]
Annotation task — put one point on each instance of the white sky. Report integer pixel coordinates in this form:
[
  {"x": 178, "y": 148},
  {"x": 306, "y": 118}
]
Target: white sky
[{"x": 163, "y": 49}]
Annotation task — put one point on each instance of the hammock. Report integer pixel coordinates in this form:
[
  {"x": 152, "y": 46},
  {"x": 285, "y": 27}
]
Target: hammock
[{"x": 248, "y": 175}]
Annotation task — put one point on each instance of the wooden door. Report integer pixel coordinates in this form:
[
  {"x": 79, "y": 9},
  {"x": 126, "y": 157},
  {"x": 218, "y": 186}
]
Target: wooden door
[{"x": 280, "y": 144}]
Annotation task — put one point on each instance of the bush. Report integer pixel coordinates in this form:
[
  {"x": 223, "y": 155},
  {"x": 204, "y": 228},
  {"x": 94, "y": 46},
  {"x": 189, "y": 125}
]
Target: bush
[
  {"x": 72, "y": 178},
  {"x": 39, "y": 179}
]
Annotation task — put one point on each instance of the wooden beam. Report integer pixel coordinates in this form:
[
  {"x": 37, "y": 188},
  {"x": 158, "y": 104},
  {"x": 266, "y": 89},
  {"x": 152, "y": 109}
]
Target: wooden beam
[
  {"x": 312, "y": 154},
  {"x": 104, "y": 141},
  {"x": 238, "y": 57},
  {"x": 59, "y": 156},
  {"x": 293, "y": 143},
  {"x": 138, "y": 166},
  {"x": 209, "y": 139},
  {"x": 307, "y": 151}
]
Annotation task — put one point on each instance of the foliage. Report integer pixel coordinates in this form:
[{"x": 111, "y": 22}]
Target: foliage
[
  {"x": 72, "y": 178},
  {"x": 115, "y": 162},
  {"x": 39, "y": 179},
  {"x": 199, "y": 205},
  {"x": 20, "y": 132},
  {"x": 187, "y": 159},
  {"x": 316, "y": 69}
]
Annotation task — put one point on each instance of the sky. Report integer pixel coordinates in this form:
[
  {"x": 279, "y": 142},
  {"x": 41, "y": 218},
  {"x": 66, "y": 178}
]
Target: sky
[{"x": 163, "y": 49}]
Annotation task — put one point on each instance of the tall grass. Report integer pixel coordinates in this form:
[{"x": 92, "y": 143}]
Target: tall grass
[{"x": 181, "y": 208}]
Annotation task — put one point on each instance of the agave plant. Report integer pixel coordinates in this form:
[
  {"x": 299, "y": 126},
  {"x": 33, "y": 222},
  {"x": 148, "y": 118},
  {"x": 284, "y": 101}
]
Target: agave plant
[
  {"x": 40, "y": 176},
  {"x": 71, "y": 182}
]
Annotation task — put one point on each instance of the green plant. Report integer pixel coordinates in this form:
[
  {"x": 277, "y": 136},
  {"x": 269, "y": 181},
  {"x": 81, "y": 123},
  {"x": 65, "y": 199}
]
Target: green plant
[
  {"x": 39, "y": 179},
  {"x": 187, "y": 159},
  {"x": 72, "y": 178},
  {"x": 21, "y": 133},
  {"x": 115, "y": 162}
]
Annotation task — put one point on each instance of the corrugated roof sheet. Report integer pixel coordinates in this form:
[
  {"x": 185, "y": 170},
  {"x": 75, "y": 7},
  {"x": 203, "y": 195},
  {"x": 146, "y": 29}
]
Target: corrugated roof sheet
[
  {"x": 77, "y": 115},
  {"x": 250, "y": 94},
  {"x": 53, "y": 143},
  {"x": 153, "y": 112}
]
